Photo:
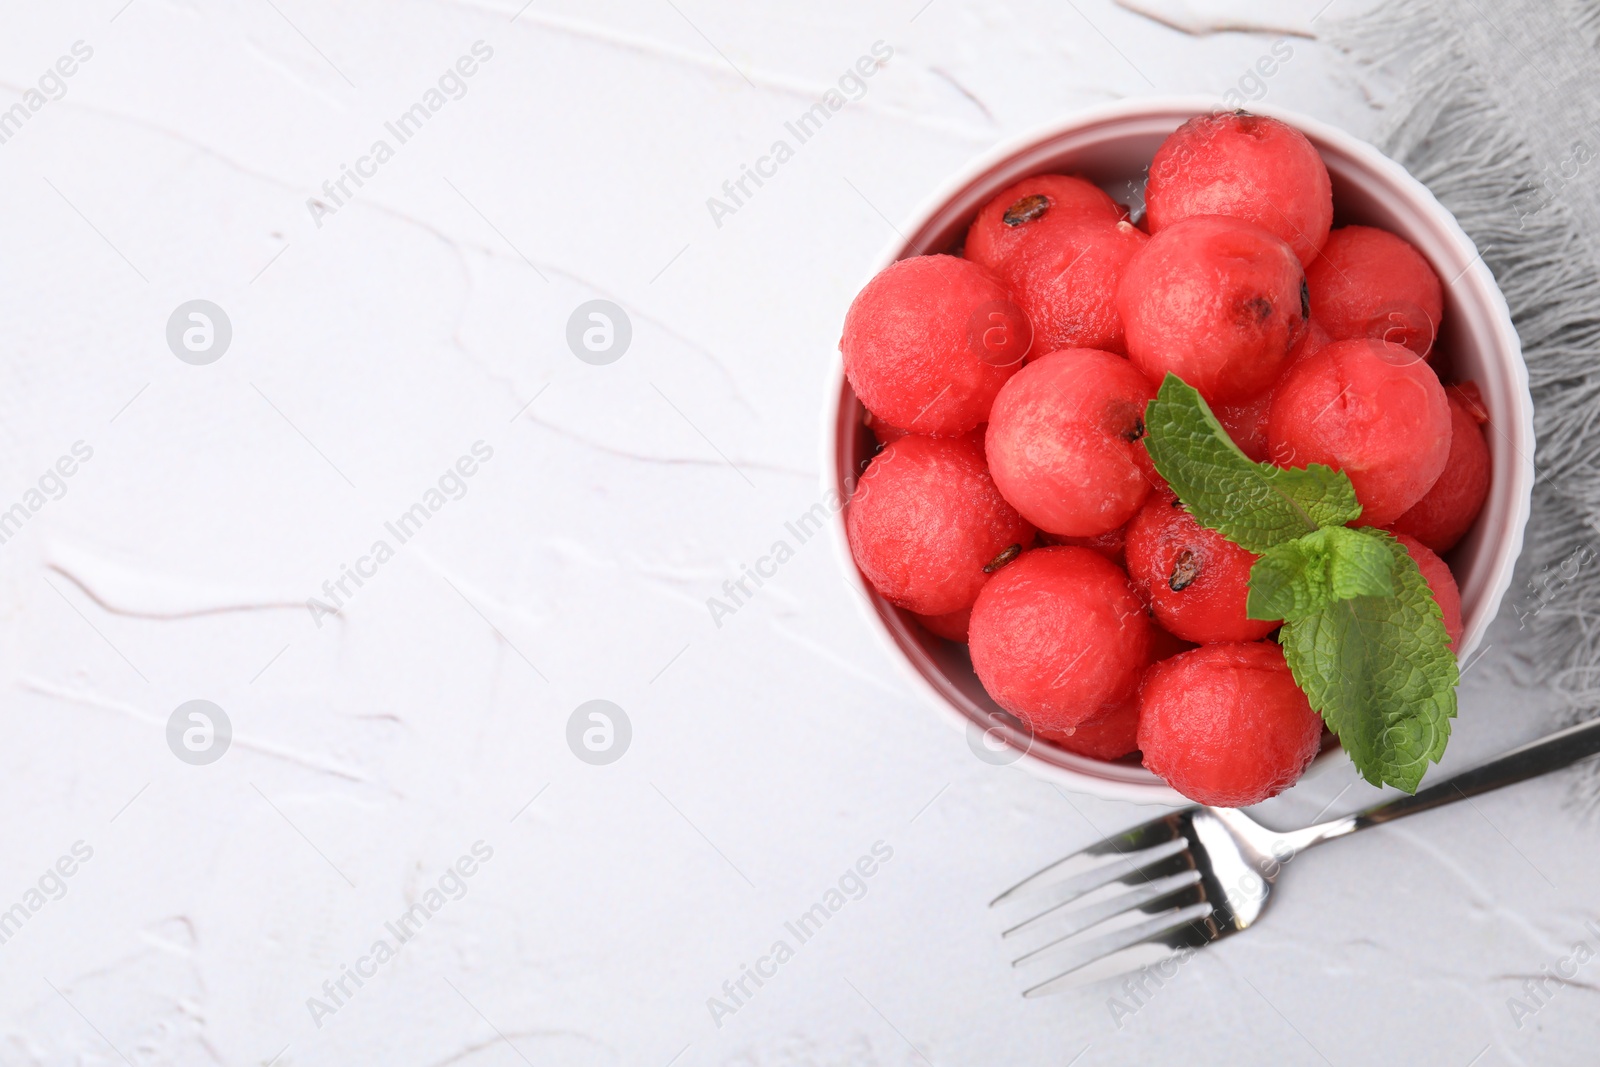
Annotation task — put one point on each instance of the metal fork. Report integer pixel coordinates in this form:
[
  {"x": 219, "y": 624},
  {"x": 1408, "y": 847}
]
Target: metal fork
[{"x": 1185, "y": 880}]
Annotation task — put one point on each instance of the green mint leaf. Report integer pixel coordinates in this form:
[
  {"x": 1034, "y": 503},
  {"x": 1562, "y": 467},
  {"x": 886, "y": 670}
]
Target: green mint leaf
[
  {"x": 1380, "y": 671},
  {"x": 1254, "y": 505},
  {"x": 1289, "y": 581},
  {"x": 1323, "y": 494},
  {"x": 1301, "y": 577},
  {"x": 1359, "y": 563}
]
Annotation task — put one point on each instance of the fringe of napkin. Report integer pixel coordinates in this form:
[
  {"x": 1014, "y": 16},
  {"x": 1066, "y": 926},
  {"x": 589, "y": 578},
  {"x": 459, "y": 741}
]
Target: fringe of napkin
[{"x": 1473, "y": 136}]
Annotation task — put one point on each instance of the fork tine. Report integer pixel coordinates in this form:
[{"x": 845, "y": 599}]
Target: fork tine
[
  {"x": 1162, "y": 945},
  {"x": 1154, "y": 832},
  {"x": 1123, "y": 912},
  {"x": 1168, "y": 863},
  {"x": 1189, "y": 925}
]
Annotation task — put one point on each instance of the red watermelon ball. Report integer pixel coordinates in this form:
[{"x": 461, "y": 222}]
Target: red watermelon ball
[
  {"x": 930, "y": 341},
  {"x": 1034, "y": 209},
  {"x": 1058, "y": 638},
  {"x": 1164, "y": 645},
  {"x": 1111, "y": 736},
  {"x": 1246, "y": 423},
  {"x": 1067, "y": 285},
  {"x": 1447, "y": 511},
  {"x": 1226, "y": 724},
  {"x": 1369, "y": 283},
  {"x": 1195, "y": 580},
  {"x": 1116, "y": 733},
  {"x": 926, "y": 519},
  {"x": 1436, "y": 572},
  {"x": 1372, "y": 409},
  {"x": 882, "y": 432},
  {"x": 1216, "y": 301},
  {"x": 1111, "y": 544},
  {"x": 1246, "y": 167},
  {"x": 951, "y": 626},
  {"x": 1065, "y": 442}
]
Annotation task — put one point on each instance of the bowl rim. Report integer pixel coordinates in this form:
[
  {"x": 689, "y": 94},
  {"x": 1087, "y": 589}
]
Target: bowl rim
[{"x": 1144, "y": 787}]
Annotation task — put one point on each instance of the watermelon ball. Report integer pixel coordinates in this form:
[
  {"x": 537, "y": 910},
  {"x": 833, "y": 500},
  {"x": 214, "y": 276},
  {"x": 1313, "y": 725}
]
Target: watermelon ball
[
  {"x": 882, "y": 432},
  {"x": 1058, "y": 638},
  {"x": 1067, "y": 283},
  {"x": 1471, "y": 396},
  {"x": 1372, "y": 409},
  {"x": 1216, "y": 301},
  {"x": 1164, "y": 645},
  {"x": 925, "y": 521},
  {"x": 1314, "y": 339},
  {"x": 1111, "y": 736},
  {"x": 930, "y": 341},
  {"x": 1447, "y": 511},
  {"x": 1116, "y": 733},
  {"x": 1247, "y": 167},
  {"x": 1032, "y": 210},
  {"x": 1246, "y": 423},
  {"x": 1369, "y": 283},
  {"x": 1065, "y": 442},
  {"x": 1441, "y": 581},
  {"x": 1195, "y": 580},
  {"x": 1112, "y": 544},
  {"x": 1226, "y": 725},
  {"x": 951, "y": 626}
]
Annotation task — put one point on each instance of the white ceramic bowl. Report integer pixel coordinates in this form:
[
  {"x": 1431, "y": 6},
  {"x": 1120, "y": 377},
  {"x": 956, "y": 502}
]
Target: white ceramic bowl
[{"x": 1112, "y": 146}]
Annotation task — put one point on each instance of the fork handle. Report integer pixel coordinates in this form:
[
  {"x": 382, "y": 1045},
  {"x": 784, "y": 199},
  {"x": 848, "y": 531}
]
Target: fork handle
[{"x": 1560, "y": 749}]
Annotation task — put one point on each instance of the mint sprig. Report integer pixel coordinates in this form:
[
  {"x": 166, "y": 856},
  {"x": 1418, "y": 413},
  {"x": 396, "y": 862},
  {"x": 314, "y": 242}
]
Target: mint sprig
[
  {"x": 1380, "y": 672},
  {"x": 1362, "y": 633},
  {"x": 1299, "y": 578}
]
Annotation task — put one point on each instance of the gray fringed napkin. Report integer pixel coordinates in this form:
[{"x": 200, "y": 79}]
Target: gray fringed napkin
[{"x": 1498, "y": 116}]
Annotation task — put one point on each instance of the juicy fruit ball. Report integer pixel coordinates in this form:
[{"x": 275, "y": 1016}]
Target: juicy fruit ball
[
  {"x": 1064, "y": 442},
  {"x": 1164, "y": 645},
  {"x": 926, "y": 519},
  {"x": 951, "y": 626},
  {"x": 1111, "y": 544},
  {"x": 1247, "y": 167},
  {"x": 1111, "y": 736},
  {"x": 930, "y": 341},
  {"x": 1067, "y": 284},
  {"x": 1216, "y": 301},
  {"x": 1116, "y": 733},
  {"x": 1443, "y": 583},
  {"x": 1369, "y": 283},
  {"x": 1246, "y": 423},
  {"x": 1315, "y": 339},
  {"x": 1059, "y": 638},
  {"x": 1194, "y": 579},
  {"x": 1226, "y": 724},
  {"x": 1033, "y": 209},
  {"x": 1447, "y": 511},
  {"x": 1371, "y": 409},
  {"x": 881, "y": 431}
]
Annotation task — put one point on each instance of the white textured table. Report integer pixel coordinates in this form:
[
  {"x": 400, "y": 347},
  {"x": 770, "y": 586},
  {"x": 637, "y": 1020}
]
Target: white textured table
[{"x": 408, "y": 326}]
